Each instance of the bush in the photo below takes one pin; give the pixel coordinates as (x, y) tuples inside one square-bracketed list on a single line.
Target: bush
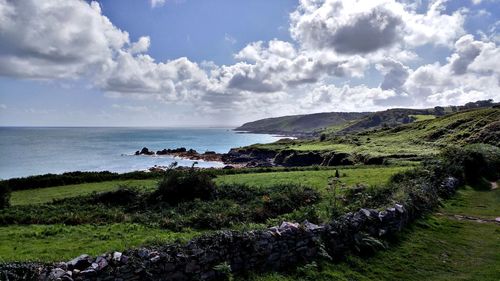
[(4, 195), (473, 162), (180, 186)]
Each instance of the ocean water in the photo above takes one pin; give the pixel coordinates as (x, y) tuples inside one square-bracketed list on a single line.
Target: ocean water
[(32, 151)]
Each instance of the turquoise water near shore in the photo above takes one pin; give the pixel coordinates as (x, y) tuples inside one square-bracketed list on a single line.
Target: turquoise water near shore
[(26, 151)]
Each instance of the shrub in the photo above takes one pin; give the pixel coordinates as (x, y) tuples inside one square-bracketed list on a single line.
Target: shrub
[(473, 162), (282, 199), (179, 186), (4, 195)]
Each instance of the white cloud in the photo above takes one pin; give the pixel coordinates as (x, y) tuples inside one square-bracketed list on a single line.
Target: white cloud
[(472, 72), (157, 3), (55, 39), (365, 26), (345, 98), (3, 106), (141, 46)]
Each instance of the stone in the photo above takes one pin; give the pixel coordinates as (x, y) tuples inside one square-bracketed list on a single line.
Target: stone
[(124, 259), (88, 272), (192, 267), (154, 259), (399, 208), (82, 262), (117, 256), (56, 273), (311, 226), (288, 225), (101, 263)]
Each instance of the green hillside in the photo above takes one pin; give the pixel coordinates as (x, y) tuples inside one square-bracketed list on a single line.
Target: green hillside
[(342, 123), (301, 124), (420, 138)]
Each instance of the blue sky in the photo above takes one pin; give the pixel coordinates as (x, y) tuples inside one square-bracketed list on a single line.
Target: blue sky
[(221, 63)]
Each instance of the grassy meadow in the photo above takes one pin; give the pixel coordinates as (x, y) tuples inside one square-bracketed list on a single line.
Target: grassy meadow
[(48, 194), (317, 179)]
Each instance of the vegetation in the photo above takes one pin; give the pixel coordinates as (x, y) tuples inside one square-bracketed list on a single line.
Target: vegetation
[(414, 140), (434, 248), (349, 176), (49, 180), (4, 196), (301, 124), (49, 194), (180, 186), (342, 122), (58, 242)]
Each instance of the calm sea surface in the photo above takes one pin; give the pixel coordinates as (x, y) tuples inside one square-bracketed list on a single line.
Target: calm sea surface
[(33, 151)]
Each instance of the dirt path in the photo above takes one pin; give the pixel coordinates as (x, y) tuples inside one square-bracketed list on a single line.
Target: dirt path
[(470, 218)]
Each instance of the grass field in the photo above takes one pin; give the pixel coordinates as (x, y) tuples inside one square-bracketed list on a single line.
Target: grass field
[(422, 117), (44, 195), (316, 179), (434, 248), (62, 242)]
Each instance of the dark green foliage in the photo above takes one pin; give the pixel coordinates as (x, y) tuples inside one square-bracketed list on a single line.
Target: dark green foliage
[(284, 199), (179, 186), (4, 195), (226, 206), (362, 196), (473, 162), (49, 180)]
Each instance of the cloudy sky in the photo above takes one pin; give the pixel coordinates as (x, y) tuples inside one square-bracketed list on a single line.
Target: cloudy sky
[(224, 62)]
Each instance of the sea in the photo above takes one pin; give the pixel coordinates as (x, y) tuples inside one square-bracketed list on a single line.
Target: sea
[(26, 151)]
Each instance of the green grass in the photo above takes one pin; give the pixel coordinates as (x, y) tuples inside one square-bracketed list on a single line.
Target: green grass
[(45, 195), (315, 179), (481, 204), (422, 117), (61, 242), (423, 138), (434, 248)]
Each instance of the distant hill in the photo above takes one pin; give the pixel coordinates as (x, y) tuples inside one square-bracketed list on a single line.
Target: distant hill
[(342, 123), (301, 124)]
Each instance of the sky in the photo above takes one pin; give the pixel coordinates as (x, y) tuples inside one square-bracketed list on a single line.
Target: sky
[(198, 63)]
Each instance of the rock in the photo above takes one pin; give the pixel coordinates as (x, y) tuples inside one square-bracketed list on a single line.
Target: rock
[(82, 262), (101, 263), (88, 273), (311, 226), (124, 259), (399, 208), (117, 256), (155, 259), (288, 225), (145, 151), (56, 273)]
